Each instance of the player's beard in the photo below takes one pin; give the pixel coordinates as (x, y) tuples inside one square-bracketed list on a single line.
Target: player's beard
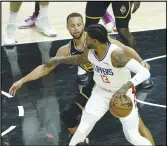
[(78, 37)]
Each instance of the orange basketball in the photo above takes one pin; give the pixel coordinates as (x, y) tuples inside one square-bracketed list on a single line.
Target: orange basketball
[(121, 107)]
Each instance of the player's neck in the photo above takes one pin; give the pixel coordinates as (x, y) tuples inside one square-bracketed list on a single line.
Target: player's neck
[(100, 50), (79, 43)]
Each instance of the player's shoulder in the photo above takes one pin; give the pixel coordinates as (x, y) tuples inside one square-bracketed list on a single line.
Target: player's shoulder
[(116, 42), (117, 52), (64, 50), (115, 49)]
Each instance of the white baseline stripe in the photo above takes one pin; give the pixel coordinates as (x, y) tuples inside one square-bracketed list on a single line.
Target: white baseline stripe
[(8, 130), (60, 39), (154, 58), (148, 103), (151, 104), (6, 94), (21, 111)]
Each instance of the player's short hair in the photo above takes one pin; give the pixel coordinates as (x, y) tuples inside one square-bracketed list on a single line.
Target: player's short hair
[(98, 32), (74, 15)]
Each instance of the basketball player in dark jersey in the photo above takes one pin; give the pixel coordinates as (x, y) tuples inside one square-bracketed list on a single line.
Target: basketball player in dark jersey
[(69, 116)]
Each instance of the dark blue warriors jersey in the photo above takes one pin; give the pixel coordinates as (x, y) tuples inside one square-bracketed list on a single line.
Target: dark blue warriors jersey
[(73, 51)]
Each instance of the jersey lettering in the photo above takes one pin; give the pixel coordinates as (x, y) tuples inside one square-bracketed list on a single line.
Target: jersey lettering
[(103, 70)]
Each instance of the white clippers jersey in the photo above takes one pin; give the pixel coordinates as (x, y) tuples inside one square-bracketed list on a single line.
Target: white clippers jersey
[(105, 75)]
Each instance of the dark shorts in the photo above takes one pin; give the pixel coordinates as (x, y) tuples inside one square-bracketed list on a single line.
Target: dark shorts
[(122, 13), (69, 116), (96, 10)]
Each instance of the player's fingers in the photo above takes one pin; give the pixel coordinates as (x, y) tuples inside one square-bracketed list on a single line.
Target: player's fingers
[(11, 93), (13, 88), (14, 93), (123, 97), (10, 90), (115, 96)]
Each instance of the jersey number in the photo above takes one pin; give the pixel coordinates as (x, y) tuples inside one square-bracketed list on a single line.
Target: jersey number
[(105, 79)]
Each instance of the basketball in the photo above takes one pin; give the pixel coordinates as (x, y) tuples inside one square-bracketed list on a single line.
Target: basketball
[(121, 107)]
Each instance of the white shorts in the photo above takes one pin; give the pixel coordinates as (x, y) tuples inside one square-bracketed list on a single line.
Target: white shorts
[(98, 103)]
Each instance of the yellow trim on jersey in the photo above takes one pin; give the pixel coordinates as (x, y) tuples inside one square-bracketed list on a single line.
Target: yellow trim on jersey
[(93, 17), (69, 49), (84, 94), (80, 106), (84, 67), (126, 14), (87, 67)]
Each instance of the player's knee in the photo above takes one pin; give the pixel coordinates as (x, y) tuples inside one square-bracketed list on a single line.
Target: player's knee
[(87, 122), (132, 136), (124, 32), (135, 138), (126, 35), (68, 119), (88, 117)]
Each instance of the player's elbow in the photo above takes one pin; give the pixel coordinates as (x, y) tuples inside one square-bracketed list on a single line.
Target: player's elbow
[(44, 70)]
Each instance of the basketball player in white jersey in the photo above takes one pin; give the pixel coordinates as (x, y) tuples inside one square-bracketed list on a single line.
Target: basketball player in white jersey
[(113, 80), (75, 24)]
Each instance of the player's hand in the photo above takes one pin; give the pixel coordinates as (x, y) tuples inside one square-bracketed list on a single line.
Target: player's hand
[(120, 93), (15, 87), (136, 5), (145, 64), (123, 90)]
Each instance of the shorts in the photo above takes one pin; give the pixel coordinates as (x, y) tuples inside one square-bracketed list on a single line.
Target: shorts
[(96, 10), (69, 116), (98, 103), (122, 13)]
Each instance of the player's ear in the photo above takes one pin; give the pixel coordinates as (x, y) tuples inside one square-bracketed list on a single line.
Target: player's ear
[(95, 41)]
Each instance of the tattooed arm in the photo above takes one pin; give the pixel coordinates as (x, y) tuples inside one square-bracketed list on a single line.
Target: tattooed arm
[(75, 59), (130, 52), (120, 59)]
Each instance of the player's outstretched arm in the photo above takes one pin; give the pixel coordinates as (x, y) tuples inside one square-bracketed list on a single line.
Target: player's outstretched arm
[(37, 73), (75, 59)]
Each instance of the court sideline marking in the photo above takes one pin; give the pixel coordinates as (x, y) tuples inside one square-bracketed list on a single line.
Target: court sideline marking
[(148, 103), (66, 38), (21, 109), (20, 114)]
